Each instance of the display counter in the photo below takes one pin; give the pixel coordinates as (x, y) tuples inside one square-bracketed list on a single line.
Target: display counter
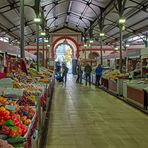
[(112, 86), (26, 99), (104, 82), (136, 94), (121, 86)]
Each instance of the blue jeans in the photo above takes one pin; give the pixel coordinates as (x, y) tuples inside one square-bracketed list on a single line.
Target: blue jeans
[(80, 78), (65, 78), (98, 77), (88, 78)]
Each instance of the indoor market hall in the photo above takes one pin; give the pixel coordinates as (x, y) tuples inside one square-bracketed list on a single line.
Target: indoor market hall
[(48, 48), (88, 117)]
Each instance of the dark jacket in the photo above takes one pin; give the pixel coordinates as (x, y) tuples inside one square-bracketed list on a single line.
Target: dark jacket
[(88, 69), (79, 70), (65, 70)]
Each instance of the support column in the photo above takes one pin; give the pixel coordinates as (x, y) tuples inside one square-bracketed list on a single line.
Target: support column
[(46, 55), (22, 29), (126, 49), (43, 54), (101, 50), (146, 42), (121, 48), (91, 55), (85, 55), (37, 49)]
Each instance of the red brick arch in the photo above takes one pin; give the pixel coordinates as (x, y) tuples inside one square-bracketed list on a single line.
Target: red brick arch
[(61, 38)]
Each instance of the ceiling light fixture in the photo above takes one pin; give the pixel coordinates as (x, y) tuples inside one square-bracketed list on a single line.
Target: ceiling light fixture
[(127, 45), (116, 48), (37, 20), (85, 45), (46, 40), (122, 20), (43, 33), (102, 34), (91, 41)]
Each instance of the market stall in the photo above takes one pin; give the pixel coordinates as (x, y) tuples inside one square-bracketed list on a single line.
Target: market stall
[(24, 101), (112, 80)]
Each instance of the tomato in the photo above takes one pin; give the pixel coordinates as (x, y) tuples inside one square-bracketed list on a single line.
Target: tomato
[(2, 121), (20, 131), (5, 130)]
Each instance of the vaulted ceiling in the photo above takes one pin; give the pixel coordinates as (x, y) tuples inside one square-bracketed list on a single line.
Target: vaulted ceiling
[(79, 15)]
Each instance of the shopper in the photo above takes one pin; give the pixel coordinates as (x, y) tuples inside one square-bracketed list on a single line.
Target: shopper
[(64, 72), (88, 71), (79, 73), (99, 70), (58, 67)]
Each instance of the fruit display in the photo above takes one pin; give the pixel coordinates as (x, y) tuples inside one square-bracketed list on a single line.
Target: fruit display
[(26, 111), (12, 125), (4, 144), (18, 116), (16, 84), (27, 100), (114, 74), (33, 72), (2, 100), (44, 80)]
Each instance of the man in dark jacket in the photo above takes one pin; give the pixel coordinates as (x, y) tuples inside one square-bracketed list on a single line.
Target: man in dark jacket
[(88, 71), (99, 70), (64, 72), (79, 73)]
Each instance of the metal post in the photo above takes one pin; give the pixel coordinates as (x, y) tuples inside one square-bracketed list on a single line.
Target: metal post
[(85, 55), (115, 58), (22, 29), (120, 48), (146, 42), (126, 49), (101, 50), (43, 53), (46, 55), (91, 55), (37, 49)]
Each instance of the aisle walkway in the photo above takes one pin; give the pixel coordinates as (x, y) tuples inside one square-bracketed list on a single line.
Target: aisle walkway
[(87, 117)]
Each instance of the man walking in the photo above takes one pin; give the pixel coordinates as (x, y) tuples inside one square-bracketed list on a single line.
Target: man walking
[(79, 72), (88, 71), (64, 72)]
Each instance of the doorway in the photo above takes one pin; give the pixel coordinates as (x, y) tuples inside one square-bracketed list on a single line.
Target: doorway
[(64, 54)]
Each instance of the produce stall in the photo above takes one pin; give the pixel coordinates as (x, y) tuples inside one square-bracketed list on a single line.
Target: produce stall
[(112, 80), (24, 100)]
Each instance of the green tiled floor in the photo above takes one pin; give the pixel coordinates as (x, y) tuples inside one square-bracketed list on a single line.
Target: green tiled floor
[(87, 117)]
